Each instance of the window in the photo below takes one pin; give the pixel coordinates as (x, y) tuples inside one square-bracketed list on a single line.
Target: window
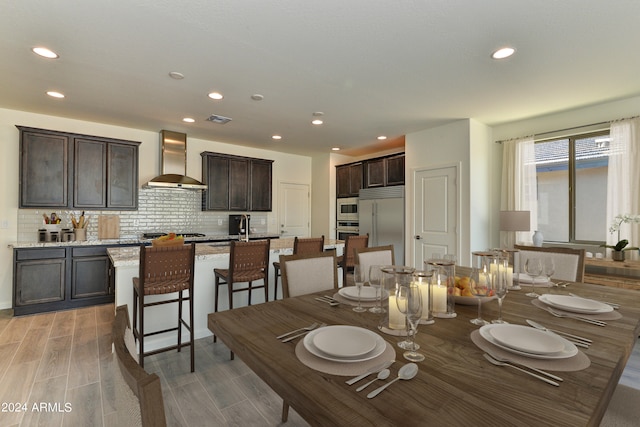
[(572, 187)]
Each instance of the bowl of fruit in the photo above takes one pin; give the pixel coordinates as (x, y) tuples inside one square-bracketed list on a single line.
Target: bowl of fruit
[(463, 295)]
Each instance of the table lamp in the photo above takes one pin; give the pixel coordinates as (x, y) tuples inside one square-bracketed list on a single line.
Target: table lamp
[(512, 221)]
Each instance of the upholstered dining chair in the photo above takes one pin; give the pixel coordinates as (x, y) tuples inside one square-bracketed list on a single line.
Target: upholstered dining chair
[(304, 274), (301, 245), (375, 255), (164, 270), (347, 260), (569, 262)]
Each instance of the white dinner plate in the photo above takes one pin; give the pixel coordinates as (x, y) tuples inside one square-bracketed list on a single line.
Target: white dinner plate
[(575, 304), (381, 345), (344, 341), (570, 350), (524, 278), (529, 340), (368, 293), (471, 300)]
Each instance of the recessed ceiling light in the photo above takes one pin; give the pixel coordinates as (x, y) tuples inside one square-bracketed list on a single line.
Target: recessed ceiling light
[(176, 75), (335, 149), (317, 122), (188, 120), (257, 97), (503, 53), (43, 51), (215, 95), (382, 137), (276, 137), (55, 94)]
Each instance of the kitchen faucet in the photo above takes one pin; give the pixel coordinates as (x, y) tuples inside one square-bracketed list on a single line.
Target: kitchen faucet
[(245, 220)]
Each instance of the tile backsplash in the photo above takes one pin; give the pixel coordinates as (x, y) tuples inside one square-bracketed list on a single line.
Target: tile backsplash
[(159, 210)]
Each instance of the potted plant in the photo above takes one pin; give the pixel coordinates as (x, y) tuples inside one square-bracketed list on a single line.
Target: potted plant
[(619, 248)]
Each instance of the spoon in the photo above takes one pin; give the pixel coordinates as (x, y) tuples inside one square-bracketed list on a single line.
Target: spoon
[(382, 375), (407, 372)]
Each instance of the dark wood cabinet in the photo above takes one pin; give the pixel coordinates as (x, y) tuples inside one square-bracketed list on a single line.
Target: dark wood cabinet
[(394, 166), (89, 272), (39, 277), (236, 183), (349, 179), (102, 172), (375, 173)]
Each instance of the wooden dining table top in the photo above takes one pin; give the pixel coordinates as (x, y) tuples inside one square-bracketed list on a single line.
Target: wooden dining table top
[(455, 384)]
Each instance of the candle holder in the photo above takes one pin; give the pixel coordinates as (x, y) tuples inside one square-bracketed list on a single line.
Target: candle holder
[(393, 322), (422, 279), (443, 282)]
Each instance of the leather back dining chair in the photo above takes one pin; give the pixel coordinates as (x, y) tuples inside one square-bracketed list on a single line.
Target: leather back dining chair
[(301, 245), (306, 273), (164, 270), (569, 262), (375, 255), (347, 260)]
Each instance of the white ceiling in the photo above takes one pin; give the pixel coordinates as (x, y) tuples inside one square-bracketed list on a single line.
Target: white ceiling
[(373, 67)]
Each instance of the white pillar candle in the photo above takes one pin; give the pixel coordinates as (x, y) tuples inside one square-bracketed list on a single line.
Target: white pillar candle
[(493, 268), (423, 285), (396, 319), (509, 277), (439, 298)]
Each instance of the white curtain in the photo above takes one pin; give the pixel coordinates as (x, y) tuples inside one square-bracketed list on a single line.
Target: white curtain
[(623, 181), (519, 185)]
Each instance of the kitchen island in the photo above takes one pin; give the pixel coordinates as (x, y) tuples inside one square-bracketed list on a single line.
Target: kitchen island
[(125, 261)]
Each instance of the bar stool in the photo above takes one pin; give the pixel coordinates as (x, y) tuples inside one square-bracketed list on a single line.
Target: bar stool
[(305, 245), (348, 259), (164, 270)]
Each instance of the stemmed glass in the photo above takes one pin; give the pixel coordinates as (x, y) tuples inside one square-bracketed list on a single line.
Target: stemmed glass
[(479, 287), (359, 279), (549, 269), (500, 285), (409, 301), (533, 267), (375, 276)]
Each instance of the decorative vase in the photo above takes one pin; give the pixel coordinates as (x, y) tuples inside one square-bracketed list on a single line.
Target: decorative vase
[(617, 255), (537, 238)]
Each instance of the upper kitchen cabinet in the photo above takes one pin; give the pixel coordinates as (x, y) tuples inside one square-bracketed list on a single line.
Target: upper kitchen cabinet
[(103, 172), (349, 179), (394, 170), (236, 183)]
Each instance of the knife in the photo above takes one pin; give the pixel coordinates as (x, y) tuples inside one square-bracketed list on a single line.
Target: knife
[(375, 370), (544, 328)]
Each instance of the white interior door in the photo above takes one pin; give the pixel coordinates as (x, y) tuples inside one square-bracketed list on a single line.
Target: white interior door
[(435, 213), (294, 210)]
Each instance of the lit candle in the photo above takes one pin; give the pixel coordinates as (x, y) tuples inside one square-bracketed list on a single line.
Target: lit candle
[(493, 268), (423, 285), (396, 319), (509, 277), (439, 296)]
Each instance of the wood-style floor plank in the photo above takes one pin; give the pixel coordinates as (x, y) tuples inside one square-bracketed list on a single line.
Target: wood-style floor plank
[(55, 360), (86, 406), (50, 391), (63, 323), (16, 330)]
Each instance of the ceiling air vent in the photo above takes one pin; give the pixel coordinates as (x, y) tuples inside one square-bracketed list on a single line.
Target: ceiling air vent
[(214, 118)]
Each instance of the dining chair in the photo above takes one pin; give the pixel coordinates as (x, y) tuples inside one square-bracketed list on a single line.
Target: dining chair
[(375, 255), (569, 262), (347, 260), (304, 245), (164, 270), (306, 273)]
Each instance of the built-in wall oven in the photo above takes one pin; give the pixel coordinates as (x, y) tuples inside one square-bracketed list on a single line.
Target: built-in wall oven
[(347, 209), (347, 228)]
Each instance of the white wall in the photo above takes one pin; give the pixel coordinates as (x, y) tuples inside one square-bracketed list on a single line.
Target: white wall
[(286, 167)]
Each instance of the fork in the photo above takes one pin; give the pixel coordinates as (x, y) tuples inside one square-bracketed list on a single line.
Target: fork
[(322, 325), (540, 371), (329, 301), (571, 316), (612, 304), (499, 363), (308, 328)]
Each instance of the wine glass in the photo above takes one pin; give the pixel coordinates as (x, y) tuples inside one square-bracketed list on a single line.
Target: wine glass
[(479, 287), (549, 269), (359, 279), (499, 285), (375, 276), (409, 301), (533, 267)]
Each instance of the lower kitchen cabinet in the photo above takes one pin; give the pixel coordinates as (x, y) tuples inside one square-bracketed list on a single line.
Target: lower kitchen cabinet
[(49, 279)]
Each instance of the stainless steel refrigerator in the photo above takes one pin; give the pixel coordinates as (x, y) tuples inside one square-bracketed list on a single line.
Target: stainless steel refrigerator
[(381, 214)]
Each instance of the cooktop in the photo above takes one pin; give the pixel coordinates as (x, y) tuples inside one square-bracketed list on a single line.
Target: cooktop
[(156, 235)]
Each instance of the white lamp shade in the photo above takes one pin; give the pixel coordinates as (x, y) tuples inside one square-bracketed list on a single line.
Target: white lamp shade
[(515, 220)]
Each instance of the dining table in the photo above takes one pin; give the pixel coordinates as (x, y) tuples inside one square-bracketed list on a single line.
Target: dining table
[(455, 384)]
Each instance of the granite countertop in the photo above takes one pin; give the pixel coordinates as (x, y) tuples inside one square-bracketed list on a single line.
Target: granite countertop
[(133, 241), (130, 256)]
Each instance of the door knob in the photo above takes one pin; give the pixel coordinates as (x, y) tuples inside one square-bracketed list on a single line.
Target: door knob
[(418, 237)]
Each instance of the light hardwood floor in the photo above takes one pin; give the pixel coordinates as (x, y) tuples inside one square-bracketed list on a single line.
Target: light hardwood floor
[(62, 363)]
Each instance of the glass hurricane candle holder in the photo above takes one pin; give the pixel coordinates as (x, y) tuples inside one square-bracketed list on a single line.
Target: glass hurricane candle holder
[(443, 282), (422, 279)]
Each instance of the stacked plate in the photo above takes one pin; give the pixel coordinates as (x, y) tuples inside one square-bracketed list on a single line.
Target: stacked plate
[(575, 304), (343, 343), (367, 293), (529, 342)]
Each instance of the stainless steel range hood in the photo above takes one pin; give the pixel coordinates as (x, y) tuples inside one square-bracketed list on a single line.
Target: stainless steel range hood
[(174, 164)]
